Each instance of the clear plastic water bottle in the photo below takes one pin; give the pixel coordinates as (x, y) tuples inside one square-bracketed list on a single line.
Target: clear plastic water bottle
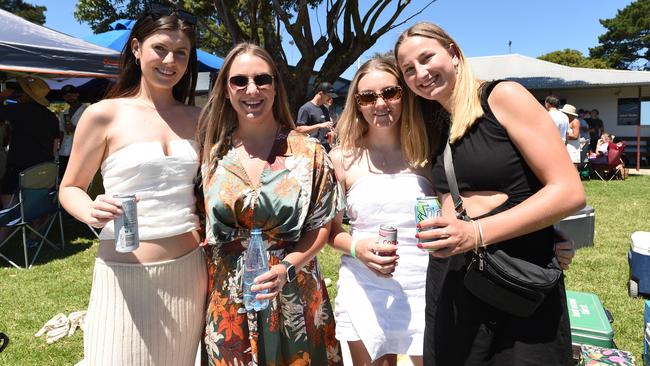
[(255, 264)]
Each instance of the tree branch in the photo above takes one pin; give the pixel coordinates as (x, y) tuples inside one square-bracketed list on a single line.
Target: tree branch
[(412, 16), (229, 21)]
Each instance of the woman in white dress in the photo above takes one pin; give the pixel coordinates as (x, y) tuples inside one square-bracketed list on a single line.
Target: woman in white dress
[(573, 133), (381, 162)]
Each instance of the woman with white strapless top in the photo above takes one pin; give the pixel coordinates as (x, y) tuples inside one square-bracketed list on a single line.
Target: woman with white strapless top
[(147, 306), (382, 163)]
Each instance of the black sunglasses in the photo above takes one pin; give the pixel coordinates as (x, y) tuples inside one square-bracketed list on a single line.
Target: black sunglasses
[(241, 81), (387, 94), (161, 10)]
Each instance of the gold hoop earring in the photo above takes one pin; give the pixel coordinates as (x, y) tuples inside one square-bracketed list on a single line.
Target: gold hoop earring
[(137, 61)]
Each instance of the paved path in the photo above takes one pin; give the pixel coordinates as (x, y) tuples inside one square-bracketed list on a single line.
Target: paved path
[(633, 171)]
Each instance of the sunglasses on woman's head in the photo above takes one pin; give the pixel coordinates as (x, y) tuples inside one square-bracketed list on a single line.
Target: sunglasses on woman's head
[(161, 10), (241, 81), (387, 94)]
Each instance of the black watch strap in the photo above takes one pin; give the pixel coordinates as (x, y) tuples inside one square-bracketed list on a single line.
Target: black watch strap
[(291, 271)]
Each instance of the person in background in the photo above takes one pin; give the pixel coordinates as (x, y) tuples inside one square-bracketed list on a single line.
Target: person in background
[(146, 306), (602, 149), (382, 163), (551, 103), (584, 125), (314, 116), (68, 121), (33, 131), (259, 173), (573, 133), (512, 192), (596, 128)]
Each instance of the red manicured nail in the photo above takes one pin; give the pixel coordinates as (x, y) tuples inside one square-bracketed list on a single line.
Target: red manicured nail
[(417, 235), (418, 226), (419, 245)]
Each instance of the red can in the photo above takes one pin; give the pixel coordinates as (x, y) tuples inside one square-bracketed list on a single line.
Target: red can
[(387, 235)]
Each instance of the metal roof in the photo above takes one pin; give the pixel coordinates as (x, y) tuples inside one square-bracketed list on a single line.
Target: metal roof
[(534, 74)]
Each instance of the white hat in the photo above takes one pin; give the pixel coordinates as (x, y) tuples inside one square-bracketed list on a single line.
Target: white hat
[(569, 109)]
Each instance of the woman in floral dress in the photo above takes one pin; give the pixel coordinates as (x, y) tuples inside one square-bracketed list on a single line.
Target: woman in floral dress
[(259, 173)]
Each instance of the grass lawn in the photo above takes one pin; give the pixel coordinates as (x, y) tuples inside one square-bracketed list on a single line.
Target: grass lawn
[(60, 280)]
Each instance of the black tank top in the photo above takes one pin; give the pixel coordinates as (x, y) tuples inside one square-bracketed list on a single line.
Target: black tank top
[(485, 159)]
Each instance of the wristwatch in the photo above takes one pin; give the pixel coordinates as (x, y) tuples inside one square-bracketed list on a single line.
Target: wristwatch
[(291, 271)]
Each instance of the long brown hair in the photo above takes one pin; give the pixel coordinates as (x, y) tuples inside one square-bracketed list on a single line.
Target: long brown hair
[(219, 119), (465, 99), (352, 126), (128, 82)]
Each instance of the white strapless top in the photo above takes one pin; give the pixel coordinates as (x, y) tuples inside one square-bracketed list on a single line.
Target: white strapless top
[(163, 183)]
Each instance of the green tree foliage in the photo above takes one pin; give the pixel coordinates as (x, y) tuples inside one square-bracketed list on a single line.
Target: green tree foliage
[(574, 58), (100, 13), (336, 31), (32, 13), (627, 41)]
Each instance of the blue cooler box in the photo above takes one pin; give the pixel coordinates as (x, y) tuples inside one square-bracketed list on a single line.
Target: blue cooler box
[(639, 259)]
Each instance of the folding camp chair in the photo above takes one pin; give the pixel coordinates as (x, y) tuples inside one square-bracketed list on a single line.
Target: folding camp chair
[(614, 167), (37, 199)]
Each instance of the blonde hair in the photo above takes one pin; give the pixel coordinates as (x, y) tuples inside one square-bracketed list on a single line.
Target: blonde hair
[(218, 119), (352, 126), (465, 99)]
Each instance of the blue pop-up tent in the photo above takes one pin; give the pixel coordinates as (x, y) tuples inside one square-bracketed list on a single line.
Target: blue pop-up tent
[(118, 35)]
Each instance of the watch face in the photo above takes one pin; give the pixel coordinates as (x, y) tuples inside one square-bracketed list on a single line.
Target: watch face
[(291, 271)]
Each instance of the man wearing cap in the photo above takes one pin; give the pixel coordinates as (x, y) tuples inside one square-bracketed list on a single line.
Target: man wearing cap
[(314, 117), (67, 123), (34, 130)]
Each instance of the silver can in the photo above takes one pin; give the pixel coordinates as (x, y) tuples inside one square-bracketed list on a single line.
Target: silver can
[(387, 235), (126, 225), (426, 207)]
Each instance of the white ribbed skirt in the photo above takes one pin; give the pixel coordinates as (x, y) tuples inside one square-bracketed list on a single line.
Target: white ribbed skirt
[(146, 314)]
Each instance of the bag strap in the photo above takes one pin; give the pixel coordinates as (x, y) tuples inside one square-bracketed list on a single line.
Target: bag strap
[(453, 184)]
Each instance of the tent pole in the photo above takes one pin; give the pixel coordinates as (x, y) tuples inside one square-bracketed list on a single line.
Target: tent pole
[(3, 79)]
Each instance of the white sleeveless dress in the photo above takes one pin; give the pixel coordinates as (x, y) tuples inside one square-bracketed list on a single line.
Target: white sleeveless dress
[(387, 314)]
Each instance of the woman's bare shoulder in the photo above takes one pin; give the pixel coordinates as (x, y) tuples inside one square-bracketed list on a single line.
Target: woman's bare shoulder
[(102, 112)]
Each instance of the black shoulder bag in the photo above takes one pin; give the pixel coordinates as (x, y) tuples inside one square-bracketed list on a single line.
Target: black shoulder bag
[(510, 284)]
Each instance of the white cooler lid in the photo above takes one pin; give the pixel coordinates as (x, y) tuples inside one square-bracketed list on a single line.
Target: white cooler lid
[(641, 242)]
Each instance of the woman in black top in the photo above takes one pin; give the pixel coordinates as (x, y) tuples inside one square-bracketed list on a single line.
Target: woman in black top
[(514, 193)]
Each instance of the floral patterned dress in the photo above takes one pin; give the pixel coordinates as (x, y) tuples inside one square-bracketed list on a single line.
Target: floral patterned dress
[(297, 193)]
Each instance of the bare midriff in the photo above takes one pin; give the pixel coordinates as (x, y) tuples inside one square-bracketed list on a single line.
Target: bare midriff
[(151, 251), (478, 203)]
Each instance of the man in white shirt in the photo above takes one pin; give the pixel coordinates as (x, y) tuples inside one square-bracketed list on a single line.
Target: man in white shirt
[(68, 123), (561, 120)]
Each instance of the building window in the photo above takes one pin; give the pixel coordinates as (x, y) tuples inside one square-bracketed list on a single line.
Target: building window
[(645, 112), (628, 111)]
